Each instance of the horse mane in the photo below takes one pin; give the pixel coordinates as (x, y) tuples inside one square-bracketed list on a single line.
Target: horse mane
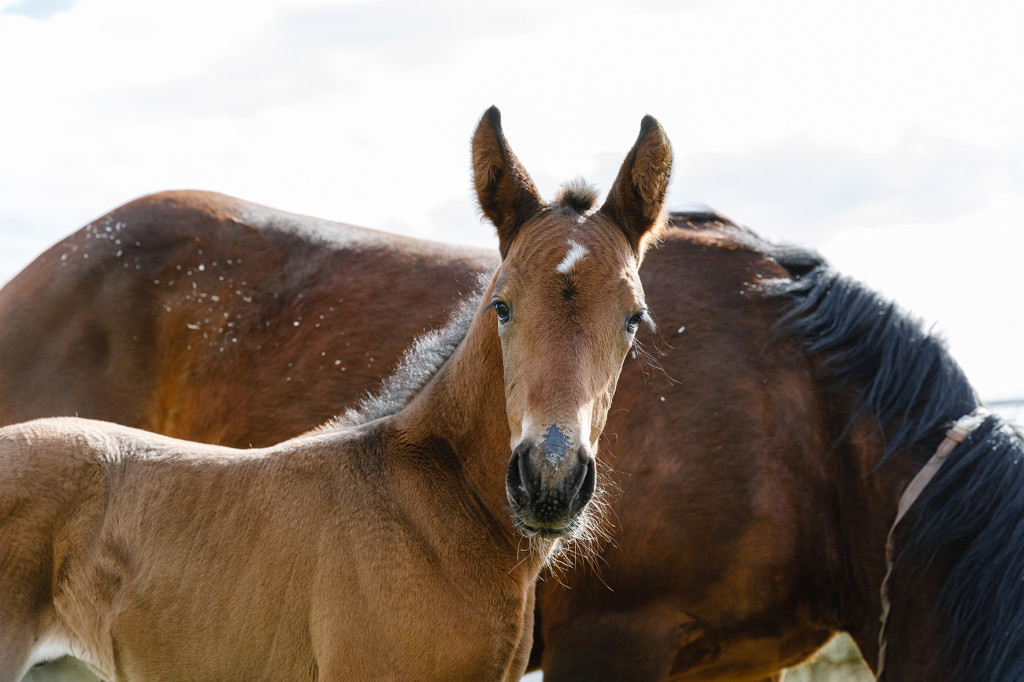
[(419, 363), (797, 260), (577, 196), (908, 382), (701, 218), (971, 517), (969, 521)]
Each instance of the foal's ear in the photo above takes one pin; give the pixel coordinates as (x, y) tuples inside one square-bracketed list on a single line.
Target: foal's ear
[(506, 193), (637, 196)]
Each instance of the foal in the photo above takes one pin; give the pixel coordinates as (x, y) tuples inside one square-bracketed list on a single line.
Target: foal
[(387, 550)]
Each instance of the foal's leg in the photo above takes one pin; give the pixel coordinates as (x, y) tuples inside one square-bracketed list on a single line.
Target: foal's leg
[(25, 567), (15, 648), (19, 621), (34, 495)]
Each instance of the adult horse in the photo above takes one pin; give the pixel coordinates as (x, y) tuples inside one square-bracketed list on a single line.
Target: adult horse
[(377, 548), (759, 467)]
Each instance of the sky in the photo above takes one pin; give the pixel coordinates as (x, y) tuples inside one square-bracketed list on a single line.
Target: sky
[(887, 134)]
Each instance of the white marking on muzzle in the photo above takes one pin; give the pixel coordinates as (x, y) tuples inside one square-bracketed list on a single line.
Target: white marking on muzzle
[(526, 430), (585, 414)]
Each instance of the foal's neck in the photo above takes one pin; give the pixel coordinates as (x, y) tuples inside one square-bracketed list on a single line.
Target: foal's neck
[(459, 420)]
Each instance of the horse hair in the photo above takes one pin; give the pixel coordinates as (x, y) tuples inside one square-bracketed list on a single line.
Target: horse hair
[(421, 361), (797, 260), (698, 218), (908, 381), (577, 195), (969, 521), (971, 517)]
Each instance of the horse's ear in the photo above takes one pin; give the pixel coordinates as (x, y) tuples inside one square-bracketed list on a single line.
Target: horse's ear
[(506, 193), (637, 197)]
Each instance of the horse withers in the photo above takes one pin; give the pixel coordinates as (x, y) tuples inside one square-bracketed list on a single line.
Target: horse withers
[(384, 549)]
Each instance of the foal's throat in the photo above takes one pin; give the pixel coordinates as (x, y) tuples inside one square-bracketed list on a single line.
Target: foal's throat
[(459, 419)]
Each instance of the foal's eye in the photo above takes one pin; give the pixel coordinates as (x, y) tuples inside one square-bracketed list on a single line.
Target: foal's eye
[(634, 321), (502, 311)]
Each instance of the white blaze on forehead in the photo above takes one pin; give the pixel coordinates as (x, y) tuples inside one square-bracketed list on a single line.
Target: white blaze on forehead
[(576, 253)]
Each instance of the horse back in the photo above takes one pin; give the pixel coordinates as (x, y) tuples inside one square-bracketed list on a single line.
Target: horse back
[(156, 314)]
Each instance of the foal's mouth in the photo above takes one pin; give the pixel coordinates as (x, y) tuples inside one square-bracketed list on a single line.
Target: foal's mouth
[(548, 532)]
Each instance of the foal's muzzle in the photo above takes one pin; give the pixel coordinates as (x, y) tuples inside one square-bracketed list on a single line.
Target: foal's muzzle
[(549, 490)]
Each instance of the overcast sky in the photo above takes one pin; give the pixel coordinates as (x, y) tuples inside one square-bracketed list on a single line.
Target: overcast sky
[(888, 134)]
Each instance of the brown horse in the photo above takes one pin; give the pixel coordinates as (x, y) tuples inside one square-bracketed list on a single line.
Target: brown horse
[(757, 470), (388, 547)]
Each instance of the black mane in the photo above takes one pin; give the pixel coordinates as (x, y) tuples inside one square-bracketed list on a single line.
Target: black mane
[(910, 383), (969, 521)]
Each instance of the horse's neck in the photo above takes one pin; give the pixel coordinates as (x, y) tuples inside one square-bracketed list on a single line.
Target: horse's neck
[(868, 489), (459, 422)]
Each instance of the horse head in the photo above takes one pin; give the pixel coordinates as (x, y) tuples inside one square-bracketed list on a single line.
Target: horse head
[(566, 300)]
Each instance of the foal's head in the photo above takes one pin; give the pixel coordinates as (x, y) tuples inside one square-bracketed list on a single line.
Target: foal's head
[(566, 301)]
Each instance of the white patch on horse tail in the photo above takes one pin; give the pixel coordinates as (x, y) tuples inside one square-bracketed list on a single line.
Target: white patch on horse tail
[(576, 253)]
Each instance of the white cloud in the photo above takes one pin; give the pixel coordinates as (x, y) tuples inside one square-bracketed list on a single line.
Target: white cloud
[(805, 192), (805, 120)]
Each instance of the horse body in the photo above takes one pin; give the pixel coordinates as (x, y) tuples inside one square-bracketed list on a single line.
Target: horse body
[(387, 548), (759, 489), (180, 306)]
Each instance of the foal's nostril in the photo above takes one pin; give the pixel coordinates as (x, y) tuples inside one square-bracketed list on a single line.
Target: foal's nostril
[(549, 501), (524, 470), (517, 479), (586, 482)]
